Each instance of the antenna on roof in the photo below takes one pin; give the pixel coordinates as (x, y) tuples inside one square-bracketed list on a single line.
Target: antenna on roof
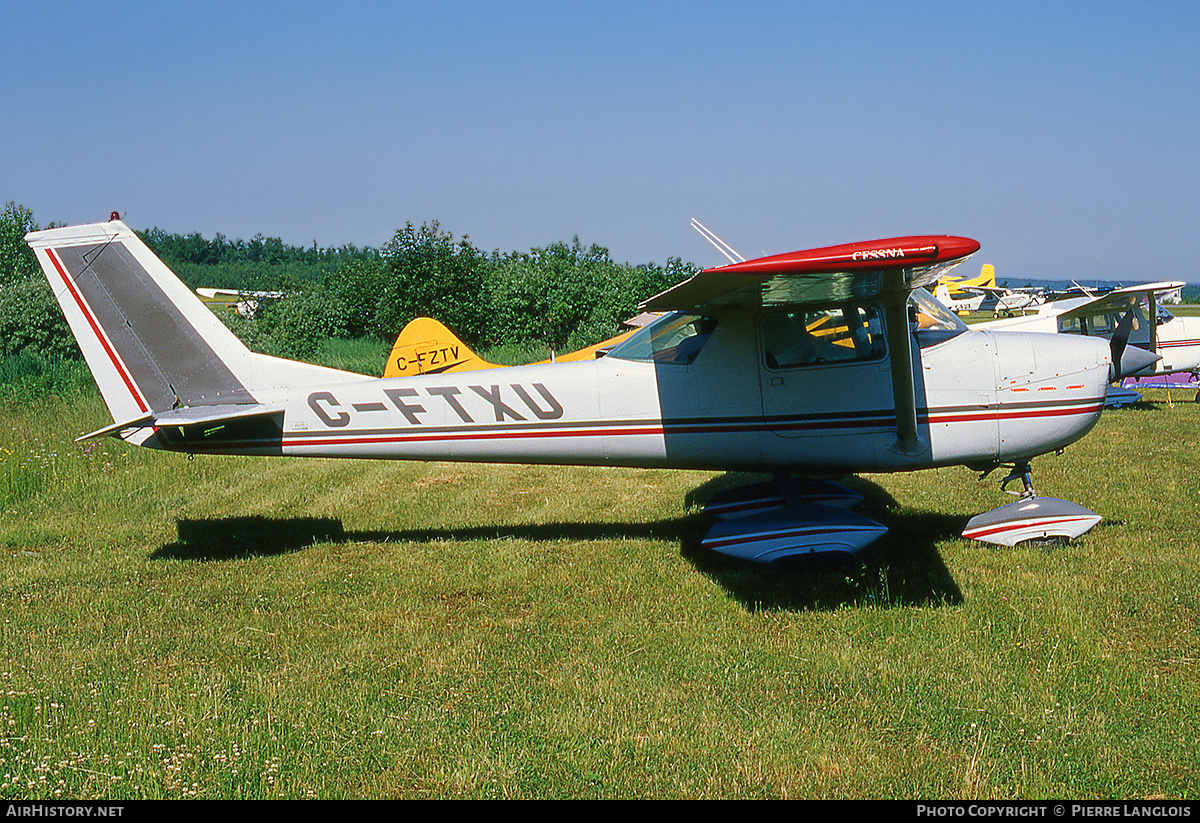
[(721, 246)]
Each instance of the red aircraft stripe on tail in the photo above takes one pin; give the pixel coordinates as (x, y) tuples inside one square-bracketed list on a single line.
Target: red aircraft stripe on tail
[(87, 315)]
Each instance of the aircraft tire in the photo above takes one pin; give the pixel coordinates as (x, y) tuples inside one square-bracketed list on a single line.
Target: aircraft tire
[(1053, 541)]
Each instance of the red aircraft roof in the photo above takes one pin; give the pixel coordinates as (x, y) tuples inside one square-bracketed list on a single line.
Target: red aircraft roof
[(893, 253), (845, 272)]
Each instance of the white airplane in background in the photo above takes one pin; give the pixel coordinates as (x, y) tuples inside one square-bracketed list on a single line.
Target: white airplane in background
[(809, 365), (958, 305), (1000, 300), (1121, 314), (244, 302)]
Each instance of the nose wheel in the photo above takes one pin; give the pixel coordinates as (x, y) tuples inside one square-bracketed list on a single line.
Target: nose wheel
[(1022, 472), (1029, 518)]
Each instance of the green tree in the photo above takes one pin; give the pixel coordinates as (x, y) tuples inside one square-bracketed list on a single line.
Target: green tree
[(17, 260), (571, 296), (31, 321), (428, 273), (359, 285), (295, 326)]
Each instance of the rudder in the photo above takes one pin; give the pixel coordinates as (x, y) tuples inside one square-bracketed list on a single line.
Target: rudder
[(426, 346)]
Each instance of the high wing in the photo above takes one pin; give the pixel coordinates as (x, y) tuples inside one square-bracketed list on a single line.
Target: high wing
[(1119, 300), (888, 270), (1117, 316), (994, 291), (853, 271)]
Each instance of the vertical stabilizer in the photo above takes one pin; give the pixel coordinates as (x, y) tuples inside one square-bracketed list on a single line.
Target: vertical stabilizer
[(426, 346), (149, 341)]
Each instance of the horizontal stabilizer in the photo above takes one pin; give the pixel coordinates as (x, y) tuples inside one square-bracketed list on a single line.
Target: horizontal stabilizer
[(186, 416), (115, 429), (208, 415)]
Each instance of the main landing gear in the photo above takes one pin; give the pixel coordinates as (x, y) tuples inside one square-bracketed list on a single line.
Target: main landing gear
[(787, 517), (1030, 518)]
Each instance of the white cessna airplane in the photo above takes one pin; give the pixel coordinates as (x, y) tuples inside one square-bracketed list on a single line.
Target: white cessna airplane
[(806, 365), (959, 305), (1003, 301), (1122, 314)]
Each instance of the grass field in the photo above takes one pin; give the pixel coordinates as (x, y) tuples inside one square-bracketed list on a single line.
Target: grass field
[(257, 628)]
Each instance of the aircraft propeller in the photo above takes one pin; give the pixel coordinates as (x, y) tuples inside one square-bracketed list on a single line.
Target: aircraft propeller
[(1128, 360)]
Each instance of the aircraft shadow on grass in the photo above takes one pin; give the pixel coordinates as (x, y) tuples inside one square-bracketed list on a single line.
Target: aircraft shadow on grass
[(1150, 405), (903, 568)]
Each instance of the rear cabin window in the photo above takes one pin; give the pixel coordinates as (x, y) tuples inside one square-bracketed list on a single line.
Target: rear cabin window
[(808, 337), (1104, 325)]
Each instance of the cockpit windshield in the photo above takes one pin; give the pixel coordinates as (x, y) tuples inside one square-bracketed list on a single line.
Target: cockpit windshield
[(931, 314), (934, 322), (673, 339)]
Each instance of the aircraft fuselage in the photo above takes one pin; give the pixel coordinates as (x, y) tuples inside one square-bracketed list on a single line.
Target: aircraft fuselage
[(981, 398)]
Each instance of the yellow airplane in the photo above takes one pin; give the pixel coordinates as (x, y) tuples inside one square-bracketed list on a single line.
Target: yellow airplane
[(958, 286), (426, 346)]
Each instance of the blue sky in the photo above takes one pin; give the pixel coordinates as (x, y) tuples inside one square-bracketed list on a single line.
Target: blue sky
[(1063, 136)]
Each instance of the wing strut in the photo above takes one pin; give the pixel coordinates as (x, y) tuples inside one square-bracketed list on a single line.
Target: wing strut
[(1152, 319), (721, 246), (899, 340)]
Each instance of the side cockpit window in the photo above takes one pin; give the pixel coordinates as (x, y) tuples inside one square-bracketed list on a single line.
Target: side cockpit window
[(805, 337), (674, 339)]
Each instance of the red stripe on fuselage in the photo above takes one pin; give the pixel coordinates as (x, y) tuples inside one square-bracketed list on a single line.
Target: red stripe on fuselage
[(355, 439), (1018, 415), (596, 429)]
